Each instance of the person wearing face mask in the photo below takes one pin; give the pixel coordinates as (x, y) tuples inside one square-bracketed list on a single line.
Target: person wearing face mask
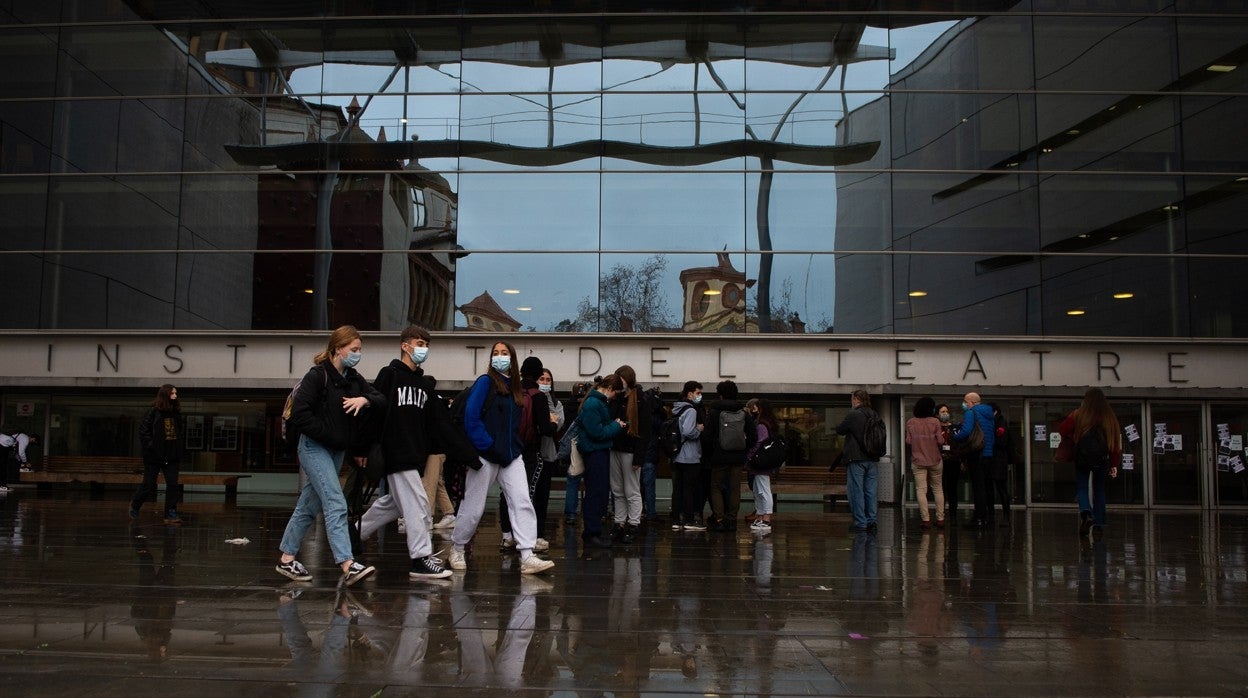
[(543, 426), (412, 417), (597, 432), (330, 409), (493, 410), (977, 463), (688, 496), (160, 435)]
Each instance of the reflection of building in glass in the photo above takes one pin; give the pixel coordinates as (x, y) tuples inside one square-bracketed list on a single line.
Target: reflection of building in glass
[(715, 298), (375, 204), (484, 313)]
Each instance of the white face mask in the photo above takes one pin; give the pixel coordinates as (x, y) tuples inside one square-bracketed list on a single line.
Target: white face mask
[(502, 364), (544, 387), (419, 354)]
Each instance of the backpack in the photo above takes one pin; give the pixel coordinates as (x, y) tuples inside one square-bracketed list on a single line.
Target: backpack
[(458, 406), (290, 435), (732, 430), (874, 439), (770, 455), (1092, 449), (527, 432), (670, 437)]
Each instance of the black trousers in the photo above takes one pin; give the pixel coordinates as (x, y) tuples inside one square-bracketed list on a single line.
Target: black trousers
[(151, 468), (952, 479), (539, 473), (977, 468)]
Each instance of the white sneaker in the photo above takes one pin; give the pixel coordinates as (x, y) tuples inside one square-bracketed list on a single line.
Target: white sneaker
[(3, 489), (535, 564), (402, 524), (457, 561), (541, 545), (447, 521), (760, 526)]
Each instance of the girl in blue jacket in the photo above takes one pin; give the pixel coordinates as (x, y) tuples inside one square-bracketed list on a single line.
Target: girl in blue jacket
[(492, 416)]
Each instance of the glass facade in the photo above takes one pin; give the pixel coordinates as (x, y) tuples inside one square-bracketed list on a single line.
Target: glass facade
[(1035, 168)]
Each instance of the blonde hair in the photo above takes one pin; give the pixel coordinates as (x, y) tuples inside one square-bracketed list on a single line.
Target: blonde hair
[(338, 339)]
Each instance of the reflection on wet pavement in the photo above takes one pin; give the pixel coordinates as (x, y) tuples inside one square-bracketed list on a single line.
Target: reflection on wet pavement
[(95, 606)]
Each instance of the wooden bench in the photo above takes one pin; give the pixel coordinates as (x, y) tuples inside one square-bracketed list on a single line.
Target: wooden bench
[(119, 470), (807, 480)]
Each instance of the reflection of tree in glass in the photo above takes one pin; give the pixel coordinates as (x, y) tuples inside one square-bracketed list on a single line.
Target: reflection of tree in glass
[(630, 299), (782, 308)]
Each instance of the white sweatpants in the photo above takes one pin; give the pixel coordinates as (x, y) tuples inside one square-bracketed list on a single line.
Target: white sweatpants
[(407, 499), (514, 483), (625, 488)]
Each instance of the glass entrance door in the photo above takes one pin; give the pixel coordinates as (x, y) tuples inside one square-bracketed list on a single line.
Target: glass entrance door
[(1053, 482), (1175, 437), (1228, 437)]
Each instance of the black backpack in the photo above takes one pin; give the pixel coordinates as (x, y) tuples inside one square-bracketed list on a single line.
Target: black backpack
[(460, 441), (1092, 449), (874, 441), (770, 455), (670, 437)]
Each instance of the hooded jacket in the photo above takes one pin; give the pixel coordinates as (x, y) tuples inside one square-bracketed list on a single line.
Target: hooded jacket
[(317, 408), (414, 416)]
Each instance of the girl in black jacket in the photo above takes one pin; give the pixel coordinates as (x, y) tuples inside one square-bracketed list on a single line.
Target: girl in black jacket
[(329, 412), (160, 435)]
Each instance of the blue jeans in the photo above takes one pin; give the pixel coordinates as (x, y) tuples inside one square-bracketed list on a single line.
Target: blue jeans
[(1097, 506), (861, 490), (649, 472), (322, 493), (572, 496)]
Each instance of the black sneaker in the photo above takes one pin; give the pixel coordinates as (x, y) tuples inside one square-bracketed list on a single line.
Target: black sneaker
[(1085, 523), (355, 573), (294, 570), (427, 568)]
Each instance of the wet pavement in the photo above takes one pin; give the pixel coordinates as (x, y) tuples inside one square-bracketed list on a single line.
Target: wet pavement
[(96, 607)]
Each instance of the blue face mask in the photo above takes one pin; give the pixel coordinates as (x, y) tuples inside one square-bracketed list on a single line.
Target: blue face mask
[(697, 399), (419, 354), (351, 359), (502, 364), (545, 388)]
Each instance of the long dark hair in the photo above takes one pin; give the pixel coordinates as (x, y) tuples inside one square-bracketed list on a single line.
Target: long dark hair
[(509, 384), (1095, 411), (629, 376), (163, 403)]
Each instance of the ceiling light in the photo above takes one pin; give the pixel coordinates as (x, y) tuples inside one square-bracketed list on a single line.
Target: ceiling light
[(1073, 132), (918, 294), (1220, 68), (711, 292), (308, 290), (511, 291), (524, 307), (403, 120), (1076, 311), (1170, 207), (1124, 295), (1046, 150)]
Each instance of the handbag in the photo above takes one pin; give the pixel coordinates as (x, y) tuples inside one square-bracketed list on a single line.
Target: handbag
[(974, 443), (576, 462)]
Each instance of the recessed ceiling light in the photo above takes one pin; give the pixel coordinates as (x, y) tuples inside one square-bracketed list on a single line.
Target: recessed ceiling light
[(1076, 311), (1170, 207), (711, 292), (1073, 132), (308, 290), (1220, 68), (1124, 295), (918, 294), (524, 307), (511, 291)]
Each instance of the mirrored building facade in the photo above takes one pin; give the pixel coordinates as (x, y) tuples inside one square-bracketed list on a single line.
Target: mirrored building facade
[(919, 171)]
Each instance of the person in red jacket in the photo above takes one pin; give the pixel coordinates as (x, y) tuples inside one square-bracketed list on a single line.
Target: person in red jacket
[(1096, 419)]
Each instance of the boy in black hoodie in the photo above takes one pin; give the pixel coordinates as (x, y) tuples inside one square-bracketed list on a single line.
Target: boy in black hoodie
[(414, 415)]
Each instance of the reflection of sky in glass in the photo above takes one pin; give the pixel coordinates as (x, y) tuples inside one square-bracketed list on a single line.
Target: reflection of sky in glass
[(649, 102)]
